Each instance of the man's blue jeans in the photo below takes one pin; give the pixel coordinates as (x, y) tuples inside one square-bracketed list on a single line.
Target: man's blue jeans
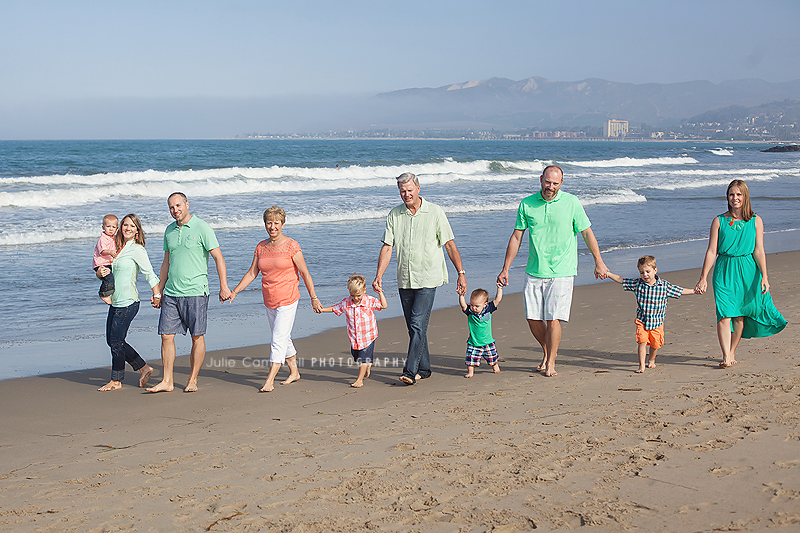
[(417, 305), (117, 324)]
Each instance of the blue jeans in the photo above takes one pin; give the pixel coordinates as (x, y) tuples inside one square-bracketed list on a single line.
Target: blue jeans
[(417, 305), (117, 324)]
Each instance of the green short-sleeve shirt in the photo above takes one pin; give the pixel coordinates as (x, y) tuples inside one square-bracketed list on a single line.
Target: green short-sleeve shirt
[(418, 240), (553, 228), (188, 248)]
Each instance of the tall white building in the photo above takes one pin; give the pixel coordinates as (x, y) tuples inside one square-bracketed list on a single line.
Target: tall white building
[(615, 128)]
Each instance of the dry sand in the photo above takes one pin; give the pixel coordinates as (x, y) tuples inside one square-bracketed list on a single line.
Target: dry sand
[(683, 447)]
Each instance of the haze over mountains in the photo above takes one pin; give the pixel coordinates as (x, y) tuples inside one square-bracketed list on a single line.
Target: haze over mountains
[(536, 101)]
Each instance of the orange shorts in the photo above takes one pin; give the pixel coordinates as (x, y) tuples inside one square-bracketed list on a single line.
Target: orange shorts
[(651, 337)]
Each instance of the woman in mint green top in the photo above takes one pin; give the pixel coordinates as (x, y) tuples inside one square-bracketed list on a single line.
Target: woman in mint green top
[(130, 260), (741, 285)]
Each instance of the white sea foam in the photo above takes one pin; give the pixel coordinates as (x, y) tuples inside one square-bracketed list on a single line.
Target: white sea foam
[(633, 162), (720, 151)]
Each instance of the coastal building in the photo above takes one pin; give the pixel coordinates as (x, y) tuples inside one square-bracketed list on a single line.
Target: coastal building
[(615, 128)]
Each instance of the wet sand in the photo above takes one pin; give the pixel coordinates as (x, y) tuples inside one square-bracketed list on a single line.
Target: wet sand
[(686, 446)]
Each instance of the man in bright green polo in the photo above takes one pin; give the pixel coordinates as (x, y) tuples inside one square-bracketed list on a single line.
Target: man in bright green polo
[(418, 229), (184, 283), (553, 219)]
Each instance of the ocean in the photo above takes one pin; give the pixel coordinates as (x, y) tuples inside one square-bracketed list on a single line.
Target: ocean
[(642, 197)]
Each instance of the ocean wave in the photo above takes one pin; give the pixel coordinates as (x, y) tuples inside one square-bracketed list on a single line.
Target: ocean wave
[(446, 166), (720, 151), (624, 196), (633, 162), (722, 181)]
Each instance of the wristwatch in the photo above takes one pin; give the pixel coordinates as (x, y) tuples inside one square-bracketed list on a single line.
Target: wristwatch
[(461, 272)]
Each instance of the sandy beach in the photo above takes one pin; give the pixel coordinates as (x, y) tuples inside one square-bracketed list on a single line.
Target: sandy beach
[(686, 446)]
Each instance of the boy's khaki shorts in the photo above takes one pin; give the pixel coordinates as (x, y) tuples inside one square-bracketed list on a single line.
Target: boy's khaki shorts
[(652, 337)]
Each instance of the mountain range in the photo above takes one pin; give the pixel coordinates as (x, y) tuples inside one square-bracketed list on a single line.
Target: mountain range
[(539, 102)]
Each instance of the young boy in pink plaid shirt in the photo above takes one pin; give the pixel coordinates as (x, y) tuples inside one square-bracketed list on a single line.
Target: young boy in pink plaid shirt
[(359, 314)]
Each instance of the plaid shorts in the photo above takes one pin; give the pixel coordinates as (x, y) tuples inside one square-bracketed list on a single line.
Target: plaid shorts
[(474, 353)]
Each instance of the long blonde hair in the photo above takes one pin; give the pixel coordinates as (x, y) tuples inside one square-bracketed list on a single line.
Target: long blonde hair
[(747, 209), (138, 239)]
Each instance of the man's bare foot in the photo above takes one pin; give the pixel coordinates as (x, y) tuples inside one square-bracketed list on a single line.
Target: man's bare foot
[(161, 387), (407, 380), (726, 364), (268, 387), (357, 384), (551, 372), (640, 370), (290, 379), (496, 368), (111, 385), (651, 364), (106, 299), (191, 387), (146, 371)]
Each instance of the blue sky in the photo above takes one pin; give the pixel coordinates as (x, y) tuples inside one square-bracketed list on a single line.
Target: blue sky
[(57, 52)]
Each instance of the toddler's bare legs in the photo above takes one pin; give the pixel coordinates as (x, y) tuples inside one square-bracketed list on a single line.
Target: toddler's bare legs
[(651, 361), (642, 356), (363, 372), (496, 368), (470, 371)]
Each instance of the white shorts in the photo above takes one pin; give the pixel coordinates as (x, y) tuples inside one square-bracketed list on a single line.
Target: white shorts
[(548, 298), (281, 321)]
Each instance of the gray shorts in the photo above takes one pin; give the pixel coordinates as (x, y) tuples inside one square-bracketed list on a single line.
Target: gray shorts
[(548, 298), (181, 313)]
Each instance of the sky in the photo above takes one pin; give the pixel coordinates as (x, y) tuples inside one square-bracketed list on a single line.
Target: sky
[(66, 65)]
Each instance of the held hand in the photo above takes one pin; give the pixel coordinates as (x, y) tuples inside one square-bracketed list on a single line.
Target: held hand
[(225, 294), (502, 278), (461, 285), (601, 271), (232, 296), (317, 305), (701, 287), (155, 301), (376, 285)]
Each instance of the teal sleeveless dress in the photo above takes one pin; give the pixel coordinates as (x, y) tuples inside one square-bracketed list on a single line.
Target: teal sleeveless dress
[(737, 281)]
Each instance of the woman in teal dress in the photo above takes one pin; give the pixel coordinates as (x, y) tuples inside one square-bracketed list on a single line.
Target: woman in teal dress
[(741, 285)]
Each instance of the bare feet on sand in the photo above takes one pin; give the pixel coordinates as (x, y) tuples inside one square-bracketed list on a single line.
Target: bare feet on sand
[(111, 385), (496, 368), (161, 387), (470, 371), (268, 387), (191, 387), (640, 370), (651, 364), (726, 364), (407, 380), (357, 384), (290, 379), (551, 372), (146, 371)]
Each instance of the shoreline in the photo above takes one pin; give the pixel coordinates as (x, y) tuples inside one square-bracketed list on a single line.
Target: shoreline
[(685, 446)]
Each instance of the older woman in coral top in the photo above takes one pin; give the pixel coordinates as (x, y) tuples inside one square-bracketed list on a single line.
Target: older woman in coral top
[(281, 263)]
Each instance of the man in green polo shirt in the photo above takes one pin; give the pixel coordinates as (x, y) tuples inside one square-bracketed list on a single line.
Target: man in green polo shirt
[(418, 229), (553, 219), (184, 283)]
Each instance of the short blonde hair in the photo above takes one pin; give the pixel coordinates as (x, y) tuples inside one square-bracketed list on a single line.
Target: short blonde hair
[(482, 293), (275, 213), (110, 217), (648, 260), (356, 284)]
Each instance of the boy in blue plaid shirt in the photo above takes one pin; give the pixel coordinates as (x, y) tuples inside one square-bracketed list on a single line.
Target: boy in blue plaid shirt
[(651, 296)]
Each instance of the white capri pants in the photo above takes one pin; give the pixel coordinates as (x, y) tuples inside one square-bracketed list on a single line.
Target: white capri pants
[(281, 321), (548, 298)]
